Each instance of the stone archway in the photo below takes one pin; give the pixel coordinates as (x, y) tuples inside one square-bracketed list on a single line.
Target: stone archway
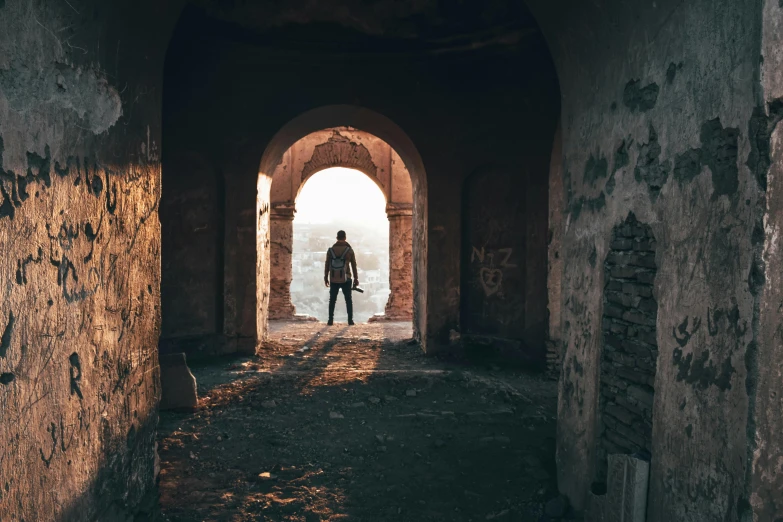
[(349, 148)]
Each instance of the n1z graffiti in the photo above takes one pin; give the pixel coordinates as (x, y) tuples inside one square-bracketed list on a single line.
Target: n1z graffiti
[(490, 276)]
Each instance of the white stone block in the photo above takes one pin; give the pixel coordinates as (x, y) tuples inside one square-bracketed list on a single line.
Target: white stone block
[(627, 483)]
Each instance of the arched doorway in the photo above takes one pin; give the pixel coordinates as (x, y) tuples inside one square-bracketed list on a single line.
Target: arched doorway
[(350, 148), (353, 137)]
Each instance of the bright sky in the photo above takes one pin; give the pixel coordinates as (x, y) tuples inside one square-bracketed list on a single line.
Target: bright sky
[(341, 196)]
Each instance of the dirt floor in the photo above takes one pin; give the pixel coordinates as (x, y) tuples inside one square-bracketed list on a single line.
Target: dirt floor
[(355, 423)]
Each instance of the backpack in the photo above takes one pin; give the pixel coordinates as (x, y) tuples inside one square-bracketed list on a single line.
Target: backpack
[(337, 268)]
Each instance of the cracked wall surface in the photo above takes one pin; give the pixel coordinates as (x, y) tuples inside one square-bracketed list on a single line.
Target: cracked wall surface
[(684, 162), (80, 240), (766, 390)]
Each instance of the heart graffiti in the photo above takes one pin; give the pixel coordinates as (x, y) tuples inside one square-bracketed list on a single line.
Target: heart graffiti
[(490, 278)]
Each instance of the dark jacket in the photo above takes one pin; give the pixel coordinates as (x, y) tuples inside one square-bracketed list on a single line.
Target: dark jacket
[(350, 259)]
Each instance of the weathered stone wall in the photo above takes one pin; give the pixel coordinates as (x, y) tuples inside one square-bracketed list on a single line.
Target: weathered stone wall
[(504, 267), (399, 307), (192, 249), (554, 260), (349, 148), (537, 165), (493, 284), (263, 265), (80, 137), (476, 125), (766, 387), (208, 224), (658, 113), (630, 349), (281, 237), (208, 229)]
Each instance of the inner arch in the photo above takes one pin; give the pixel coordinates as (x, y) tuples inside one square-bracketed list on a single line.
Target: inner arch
[(382, 127), (348, 148)]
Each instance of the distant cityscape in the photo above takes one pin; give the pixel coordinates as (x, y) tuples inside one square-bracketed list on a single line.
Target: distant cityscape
[(371, 245)]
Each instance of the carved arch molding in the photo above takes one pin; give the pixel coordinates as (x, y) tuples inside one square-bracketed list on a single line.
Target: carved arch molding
[(339, 151)]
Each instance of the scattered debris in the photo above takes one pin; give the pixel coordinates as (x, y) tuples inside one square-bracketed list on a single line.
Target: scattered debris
[(489, 437)]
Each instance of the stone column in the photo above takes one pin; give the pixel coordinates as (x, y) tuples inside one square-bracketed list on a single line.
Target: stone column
[(281, 232), (399, 307)]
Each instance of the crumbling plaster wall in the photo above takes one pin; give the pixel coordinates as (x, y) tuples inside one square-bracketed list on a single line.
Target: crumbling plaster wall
[(349, 148), (767, 473), (281, 259), (80, 119), (658, 108)]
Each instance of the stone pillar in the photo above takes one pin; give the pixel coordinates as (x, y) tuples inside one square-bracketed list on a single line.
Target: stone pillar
[(281, 232), (399, 307)]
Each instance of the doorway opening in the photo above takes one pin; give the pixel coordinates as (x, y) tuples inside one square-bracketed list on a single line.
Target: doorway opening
[(340, 199), (339, 178)]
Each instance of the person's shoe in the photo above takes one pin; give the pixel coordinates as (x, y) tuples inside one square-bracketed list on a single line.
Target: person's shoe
[(329, 323), (350, 322)]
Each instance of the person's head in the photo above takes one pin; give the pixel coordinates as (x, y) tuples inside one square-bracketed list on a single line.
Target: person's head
[(341, 235)]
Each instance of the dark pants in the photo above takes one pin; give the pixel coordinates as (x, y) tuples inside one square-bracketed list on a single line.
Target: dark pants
[(334, 289)]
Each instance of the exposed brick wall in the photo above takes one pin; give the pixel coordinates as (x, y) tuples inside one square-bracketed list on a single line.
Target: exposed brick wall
[(630, 349)]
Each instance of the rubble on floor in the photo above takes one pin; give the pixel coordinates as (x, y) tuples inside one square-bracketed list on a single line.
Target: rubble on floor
[(360, 426)]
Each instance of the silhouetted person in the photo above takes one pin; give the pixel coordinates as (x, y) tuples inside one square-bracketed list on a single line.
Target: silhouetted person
[(337, 276)]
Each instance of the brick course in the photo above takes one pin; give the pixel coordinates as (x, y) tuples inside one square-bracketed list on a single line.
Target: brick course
[(630, 349)]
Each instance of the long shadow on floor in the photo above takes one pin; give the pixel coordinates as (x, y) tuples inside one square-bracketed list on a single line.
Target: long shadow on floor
[(320, 436)]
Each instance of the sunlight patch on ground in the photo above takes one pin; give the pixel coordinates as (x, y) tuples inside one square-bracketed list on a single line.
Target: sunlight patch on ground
[(272, 440)]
